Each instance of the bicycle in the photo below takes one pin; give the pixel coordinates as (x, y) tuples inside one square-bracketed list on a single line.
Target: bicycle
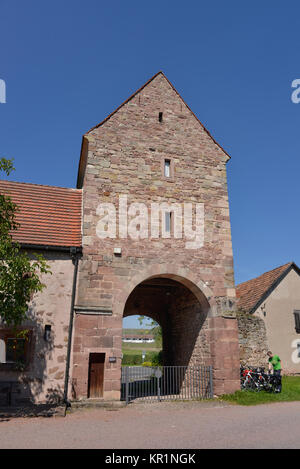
[(249, 381), (255, 379)]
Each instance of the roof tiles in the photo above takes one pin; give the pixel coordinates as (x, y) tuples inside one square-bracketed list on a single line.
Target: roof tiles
[(250, 293), (47, 215)]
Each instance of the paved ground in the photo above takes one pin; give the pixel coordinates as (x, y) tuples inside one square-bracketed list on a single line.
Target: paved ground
[(159, 426)]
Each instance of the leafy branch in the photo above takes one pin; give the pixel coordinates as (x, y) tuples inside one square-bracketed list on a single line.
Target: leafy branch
[(19, 274)]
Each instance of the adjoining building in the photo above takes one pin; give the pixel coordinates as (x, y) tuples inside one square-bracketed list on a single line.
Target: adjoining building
[(153, 160), (272, 322), (50, 223), (138, 338)]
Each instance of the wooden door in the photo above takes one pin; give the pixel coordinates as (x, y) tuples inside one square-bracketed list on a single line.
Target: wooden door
[(96, 374)]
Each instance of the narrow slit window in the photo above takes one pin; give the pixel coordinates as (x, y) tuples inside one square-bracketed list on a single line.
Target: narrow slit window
[(168, 216), (297, 320), (167, 168), (2, 351), (160, 116)]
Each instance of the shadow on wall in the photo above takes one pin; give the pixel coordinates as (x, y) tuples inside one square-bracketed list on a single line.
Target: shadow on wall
[(180, 315), (24, 354), (185, 343)]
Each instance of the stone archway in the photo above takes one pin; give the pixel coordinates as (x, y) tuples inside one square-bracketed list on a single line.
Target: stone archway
[(171, 271), (181, 314), (213, 339), (194, 331)]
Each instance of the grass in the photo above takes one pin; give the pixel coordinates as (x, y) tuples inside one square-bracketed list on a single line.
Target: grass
[(290, 392), (131, 348), (136, 331), (139, 348), (132, 353)]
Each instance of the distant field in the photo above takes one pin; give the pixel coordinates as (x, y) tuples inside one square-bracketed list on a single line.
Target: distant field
[(129, 348), (137, 331), (139, 348)]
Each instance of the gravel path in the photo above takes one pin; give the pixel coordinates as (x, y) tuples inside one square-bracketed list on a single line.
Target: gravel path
[(158, 426)]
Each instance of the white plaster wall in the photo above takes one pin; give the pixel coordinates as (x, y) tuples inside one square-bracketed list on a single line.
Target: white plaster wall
[(279, 319)]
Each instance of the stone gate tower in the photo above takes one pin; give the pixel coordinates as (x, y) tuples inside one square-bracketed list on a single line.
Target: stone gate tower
[(154, 150)]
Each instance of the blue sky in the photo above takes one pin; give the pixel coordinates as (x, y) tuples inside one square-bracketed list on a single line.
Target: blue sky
[(67, 64)]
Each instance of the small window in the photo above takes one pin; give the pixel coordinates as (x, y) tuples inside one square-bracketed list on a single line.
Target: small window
[(2, 351), (167, 168), (47, 333), (297, 321), (160, 116), (15, 347), (15, 350), (168, 218)]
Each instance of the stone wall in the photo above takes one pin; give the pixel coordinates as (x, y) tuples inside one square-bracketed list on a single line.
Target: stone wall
[(96, 333), (124, 156), (185, 332), (181, 317), (252, 340), (43, 378), (225, 356)]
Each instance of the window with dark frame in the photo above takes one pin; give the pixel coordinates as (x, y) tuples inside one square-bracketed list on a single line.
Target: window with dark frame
[(15, 350), (297, 320), (168, 221), (167, 168)]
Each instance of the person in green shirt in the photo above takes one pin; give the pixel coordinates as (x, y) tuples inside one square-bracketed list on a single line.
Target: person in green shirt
[(275, 363)]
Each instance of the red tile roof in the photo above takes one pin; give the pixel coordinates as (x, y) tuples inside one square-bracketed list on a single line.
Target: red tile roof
[(250, 293), (47, 215)]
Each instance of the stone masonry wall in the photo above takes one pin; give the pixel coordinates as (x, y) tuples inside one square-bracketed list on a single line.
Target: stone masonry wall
[(225, 356), (252, 340), (125, 157), (186, 331), (181, 317), (96, 333), (43, 379)]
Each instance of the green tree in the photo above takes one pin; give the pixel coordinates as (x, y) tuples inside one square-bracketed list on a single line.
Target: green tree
[(156, 330), (19, 275)]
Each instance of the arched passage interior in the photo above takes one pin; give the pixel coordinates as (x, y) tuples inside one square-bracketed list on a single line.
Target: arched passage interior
[(180, 308)]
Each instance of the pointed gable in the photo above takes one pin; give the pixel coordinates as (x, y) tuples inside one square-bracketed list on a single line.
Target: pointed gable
[(157, 92), (251, 293)]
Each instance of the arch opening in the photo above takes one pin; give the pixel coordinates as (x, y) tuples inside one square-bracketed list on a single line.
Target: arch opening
[(141, 341), (180, 308)]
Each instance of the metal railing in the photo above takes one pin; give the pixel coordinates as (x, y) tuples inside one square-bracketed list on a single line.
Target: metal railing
[(166, 383)]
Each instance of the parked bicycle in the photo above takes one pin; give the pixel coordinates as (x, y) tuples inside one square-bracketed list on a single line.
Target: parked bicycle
[(255, 379), (249, 380)]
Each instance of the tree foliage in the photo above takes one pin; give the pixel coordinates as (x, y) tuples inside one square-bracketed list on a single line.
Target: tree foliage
[(156, 330), (19, 275)]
